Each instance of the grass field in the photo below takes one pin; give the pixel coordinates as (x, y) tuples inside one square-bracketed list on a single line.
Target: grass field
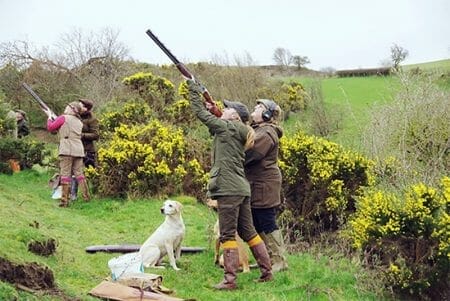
[(439, 66), (352, 99), (28, 213)]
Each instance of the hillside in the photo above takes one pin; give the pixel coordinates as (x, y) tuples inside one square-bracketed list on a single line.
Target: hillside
[(28, 213)]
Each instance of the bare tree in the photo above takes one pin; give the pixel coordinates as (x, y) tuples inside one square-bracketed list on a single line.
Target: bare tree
[(79, 48), (300, 61), (282, 57), (398, 55), (80, 65)]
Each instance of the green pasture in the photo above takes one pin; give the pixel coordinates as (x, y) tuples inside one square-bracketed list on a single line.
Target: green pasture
[(351, 99), (28, 213), (439, 66)]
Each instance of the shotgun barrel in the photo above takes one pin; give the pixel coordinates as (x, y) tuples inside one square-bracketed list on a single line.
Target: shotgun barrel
[(185, 72)]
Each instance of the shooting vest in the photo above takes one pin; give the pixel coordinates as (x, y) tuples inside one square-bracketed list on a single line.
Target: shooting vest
[(70, 137)]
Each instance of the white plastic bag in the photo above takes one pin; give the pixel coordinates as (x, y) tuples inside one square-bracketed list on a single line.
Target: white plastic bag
[(126, 264), (57, 193)]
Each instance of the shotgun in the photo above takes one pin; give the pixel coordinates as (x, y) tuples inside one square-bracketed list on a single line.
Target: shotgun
[(41, 103), (186, 73)]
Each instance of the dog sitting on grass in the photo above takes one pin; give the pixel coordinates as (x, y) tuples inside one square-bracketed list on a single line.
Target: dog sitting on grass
[(166, 239)]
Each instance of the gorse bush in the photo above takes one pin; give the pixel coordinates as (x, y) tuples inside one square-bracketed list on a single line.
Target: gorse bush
[(292, 97), (408, 236), (320, 183), (158, 91), (147, 160), (133, 111)]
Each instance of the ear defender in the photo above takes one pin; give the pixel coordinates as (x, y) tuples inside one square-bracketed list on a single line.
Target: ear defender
[(271, 107), (267, 115)]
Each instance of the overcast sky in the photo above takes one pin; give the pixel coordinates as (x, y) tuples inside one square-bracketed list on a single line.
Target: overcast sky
[(343, 34)]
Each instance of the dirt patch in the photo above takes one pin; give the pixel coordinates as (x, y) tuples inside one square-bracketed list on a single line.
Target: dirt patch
[(31, 278), (32, 275), (43, 248)]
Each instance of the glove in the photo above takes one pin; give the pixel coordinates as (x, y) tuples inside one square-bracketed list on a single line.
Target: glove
[(194, 86)]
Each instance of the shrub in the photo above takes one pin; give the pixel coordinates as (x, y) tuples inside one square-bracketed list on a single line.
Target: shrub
[(408, 236), (414, 129), (7, 124), (294, 96), (320, 183), (157, 91), (133, 111), (26, 150), (146, 160)]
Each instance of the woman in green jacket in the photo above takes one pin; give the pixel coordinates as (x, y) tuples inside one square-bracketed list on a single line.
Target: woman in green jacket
[(229, 186)]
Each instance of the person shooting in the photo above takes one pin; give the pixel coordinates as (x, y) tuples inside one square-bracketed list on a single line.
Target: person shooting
[(70, 151)]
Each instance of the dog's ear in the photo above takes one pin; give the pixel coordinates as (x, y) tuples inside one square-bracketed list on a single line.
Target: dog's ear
[(179, 206)]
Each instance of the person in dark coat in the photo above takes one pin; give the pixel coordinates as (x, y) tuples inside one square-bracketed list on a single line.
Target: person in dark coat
[(264, 176), (228, 185), (22, 124), (89, 134)]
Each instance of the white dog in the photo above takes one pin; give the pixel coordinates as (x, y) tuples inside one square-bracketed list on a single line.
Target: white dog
[(166, 239)]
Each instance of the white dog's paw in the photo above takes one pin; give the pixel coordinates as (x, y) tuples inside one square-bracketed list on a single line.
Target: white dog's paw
[(176, 269)]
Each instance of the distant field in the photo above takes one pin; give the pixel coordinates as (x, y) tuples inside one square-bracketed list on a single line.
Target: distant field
[(442, 65), (352, 98)]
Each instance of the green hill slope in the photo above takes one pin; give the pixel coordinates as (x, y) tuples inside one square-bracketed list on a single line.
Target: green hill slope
[(28, 213)]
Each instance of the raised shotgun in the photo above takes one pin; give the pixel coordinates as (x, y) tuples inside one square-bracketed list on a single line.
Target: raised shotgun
[(186, 73), (42, 104)]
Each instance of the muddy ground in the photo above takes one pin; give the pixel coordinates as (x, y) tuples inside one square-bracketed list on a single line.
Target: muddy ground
[(42, 248), (31, 276)]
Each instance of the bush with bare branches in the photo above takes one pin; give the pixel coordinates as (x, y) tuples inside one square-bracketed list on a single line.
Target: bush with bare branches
[(413, 130)]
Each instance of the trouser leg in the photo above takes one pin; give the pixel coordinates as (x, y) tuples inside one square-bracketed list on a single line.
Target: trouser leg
[(82, 183)]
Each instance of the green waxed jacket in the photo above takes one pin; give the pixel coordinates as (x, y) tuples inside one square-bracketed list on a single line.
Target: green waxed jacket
[(227, 176)]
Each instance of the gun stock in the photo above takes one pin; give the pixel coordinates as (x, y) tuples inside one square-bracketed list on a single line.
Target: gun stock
[(41, 103), (185, 72)]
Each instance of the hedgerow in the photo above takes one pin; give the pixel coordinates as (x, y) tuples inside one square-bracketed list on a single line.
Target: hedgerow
[(408, 236)]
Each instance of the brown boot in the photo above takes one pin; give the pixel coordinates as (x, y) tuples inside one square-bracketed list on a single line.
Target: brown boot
[(259, 251), (64, 202), (84, 190), (230, 267), (275, 247)]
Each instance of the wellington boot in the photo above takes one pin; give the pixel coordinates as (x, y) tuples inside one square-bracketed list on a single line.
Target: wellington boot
[(259, 251), (275, 247), (230, 266), (84, 190), (64, 202)]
